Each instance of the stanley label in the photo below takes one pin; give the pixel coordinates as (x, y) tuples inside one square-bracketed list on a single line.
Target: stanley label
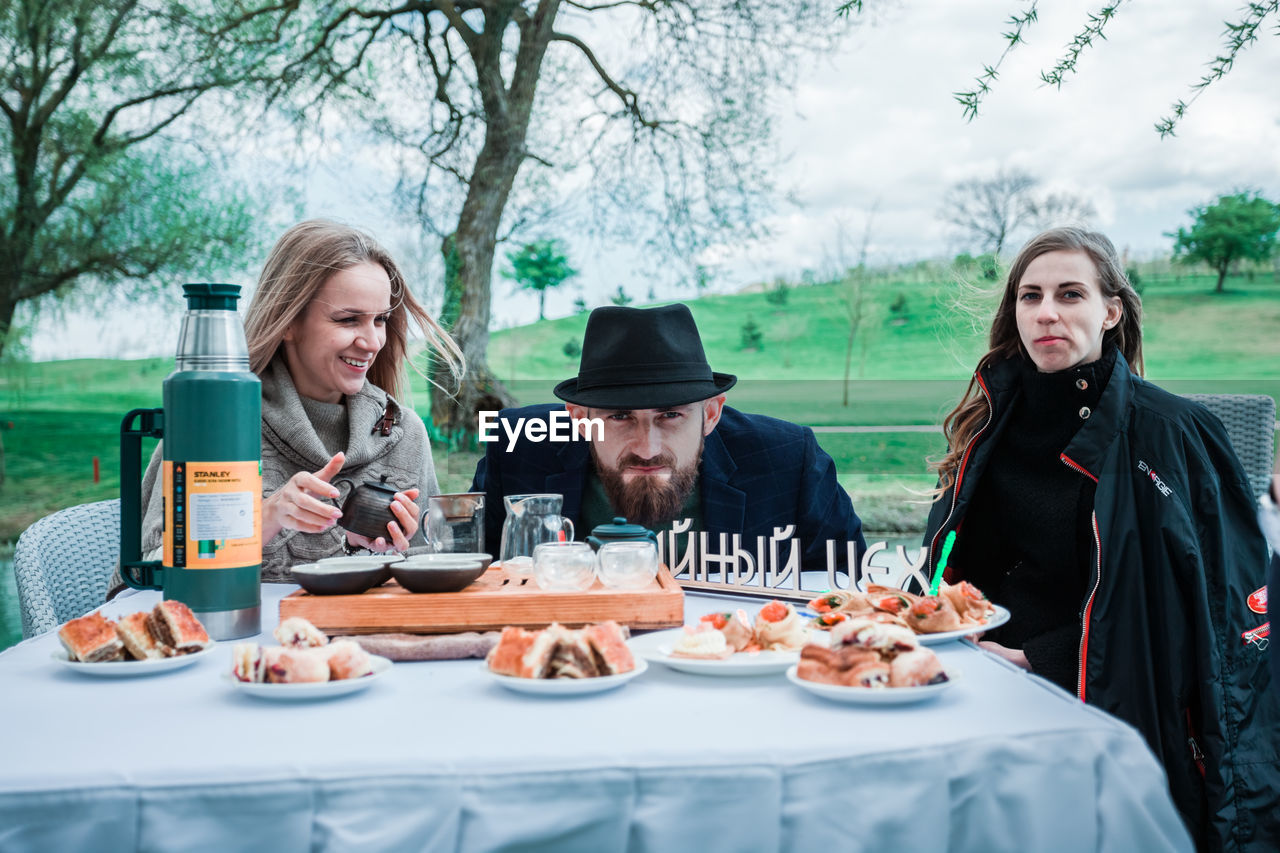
[(213, 514)]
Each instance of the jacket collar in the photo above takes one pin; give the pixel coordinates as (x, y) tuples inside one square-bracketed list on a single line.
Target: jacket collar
[(724, 507), (1089, 445), (1086, 449)]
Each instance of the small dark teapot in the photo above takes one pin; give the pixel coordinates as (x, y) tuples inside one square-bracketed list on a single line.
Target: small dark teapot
[(620, 531), (367, 509)]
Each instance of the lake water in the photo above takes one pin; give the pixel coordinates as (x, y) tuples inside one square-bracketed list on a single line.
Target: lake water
[(10, 615)]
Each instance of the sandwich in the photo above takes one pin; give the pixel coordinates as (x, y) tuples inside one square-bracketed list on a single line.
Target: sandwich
[(91, 639)]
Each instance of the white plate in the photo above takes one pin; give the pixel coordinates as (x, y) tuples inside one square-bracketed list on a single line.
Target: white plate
[(873, 695), (567, 686), (997, 619), (312, 690), (129, 668), (658, 645)]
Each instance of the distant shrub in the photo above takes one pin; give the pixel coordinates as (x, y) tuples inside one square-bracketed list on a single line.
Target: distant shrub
[(621, 297), (752, 335), (579, 306), (779, 294), (899, 305), (1135, 278), (572, 349)]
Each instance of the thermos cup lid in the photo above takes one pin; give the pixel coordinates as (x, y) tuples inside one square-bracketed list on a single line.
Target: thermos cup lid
[(211, 296)]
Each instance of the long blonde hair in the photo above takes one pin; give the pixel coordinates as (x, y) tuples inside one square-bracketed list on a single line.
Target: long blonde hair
[(1005, 342), (301, 261)]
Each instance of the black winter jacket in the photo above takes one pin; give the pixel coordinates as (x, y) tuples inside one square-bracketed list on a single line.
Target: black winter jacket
[(1165, 642)]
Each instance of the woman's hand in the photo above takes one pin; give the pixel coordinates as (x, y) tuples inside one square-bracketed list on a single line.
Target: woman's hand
[(399, 531), (297, 505), (1014, 656)]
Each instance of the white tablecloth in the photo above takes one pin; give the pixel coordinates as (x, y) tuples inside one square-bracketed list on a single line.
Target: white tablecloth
[(435, 756)]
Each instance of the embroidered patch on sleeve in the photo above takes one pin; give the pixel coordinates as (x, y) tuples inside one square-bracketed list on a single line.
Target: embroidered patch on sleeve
[(1258, 600)]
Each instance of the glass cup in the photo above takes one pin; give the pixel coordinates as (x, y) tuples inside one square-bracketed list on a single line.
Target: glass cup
[(564, 566), (627, 565)]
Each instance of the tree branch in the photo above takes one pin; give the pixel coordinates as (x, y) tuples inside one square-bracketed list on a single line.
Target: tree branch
[(630, 101)]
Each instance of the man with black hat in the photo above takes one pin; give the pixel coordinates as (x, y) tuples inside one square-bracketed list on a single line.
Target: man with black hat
[(671, 449)]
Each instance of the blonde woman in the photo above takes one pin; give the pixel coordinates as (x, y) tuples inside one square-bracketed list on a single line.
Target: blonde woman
[(1115, 522), (328, 330)]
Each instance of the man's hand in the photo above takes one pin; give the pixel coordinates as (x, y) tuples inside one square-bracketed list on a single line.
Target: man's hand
[(298, 504)]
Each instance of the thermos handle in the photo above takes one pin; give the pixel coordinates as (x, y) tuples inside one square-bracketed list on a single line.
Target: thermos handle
[(137, 573)]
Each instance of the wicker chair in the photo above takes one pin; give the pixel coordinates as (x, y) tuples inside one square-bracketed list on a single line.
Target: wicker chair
[(1250, 420), (62, 564)]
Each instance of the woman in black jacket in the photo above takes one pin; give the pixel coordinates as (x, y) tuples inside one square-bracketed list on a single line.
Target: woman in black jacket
[(1114, 521)]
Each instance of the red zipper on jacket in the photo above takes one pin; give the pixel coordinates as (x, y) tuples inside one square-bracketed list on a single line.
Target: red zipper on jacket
[(1097, 581), (964, 460)]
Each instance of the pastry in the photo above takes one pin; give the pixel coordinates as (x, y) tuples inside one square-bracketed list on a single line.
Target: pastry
[(174, 625), (780, 628), (736, 628), (609, 645), (916, 668), (297, 633), (91, 639), (297, 666), (703, 642), (571, 655), (347, 660), (247, 662), (137, 638), (969, 601), (933, 614)]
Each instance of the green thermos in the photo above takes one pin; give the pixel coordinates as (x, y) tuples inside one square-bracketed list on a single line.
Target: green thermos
[(211, 424)]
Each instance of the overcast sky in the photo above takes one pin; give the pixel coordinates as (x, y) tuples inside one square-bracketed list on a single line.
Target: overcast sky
[(876, 125)]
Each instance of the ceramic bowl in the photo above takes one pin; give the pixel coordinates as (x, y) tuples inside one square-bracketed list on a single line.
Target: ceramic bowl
[(336, 579), (439, 572)]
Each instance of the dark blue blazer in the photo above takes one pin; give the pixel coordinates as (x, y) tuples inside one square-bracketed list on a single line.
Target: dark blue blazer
[(757, 473)]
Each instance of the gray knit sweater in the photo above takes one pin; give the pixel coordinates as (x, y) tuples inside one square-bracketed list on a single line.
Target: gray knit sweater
[(297, 437)]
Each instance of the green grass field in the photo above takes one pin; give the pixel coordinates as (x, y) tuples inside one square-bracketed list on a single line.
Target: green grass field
[(907, 367)]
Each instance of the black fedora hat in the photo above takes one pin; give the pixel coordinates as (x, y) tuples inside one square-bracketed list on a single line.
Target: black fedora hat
[(642, 358)]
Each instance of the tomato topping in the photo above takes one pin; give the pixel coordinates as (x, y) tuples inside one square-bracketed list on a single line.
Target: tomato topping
[(774, 611), (717, 620), (891, 604), (824, 603), (925, 607), (826, 620)]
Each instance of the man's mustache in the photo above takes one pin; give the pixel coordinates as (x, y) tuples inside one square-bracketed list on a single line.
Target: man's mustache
[(631, 460)]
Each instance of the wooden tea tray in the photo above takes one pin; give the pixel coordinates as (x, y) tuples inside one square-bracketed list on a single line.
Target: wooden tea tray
[(493, 601)]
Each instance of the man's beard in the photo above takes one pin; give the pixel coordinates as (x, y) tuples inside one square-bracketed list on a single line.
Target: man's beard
[(647, 500)]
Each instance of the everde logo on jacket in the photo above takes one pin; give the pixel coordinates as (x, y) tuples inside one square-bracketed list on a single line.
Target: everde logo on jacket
[(1155, 478)]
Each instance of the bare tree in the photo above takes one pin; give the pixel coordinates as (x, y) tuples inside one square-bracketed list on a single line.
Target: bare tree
[(656, 110), (989, 211), (1237, 34)]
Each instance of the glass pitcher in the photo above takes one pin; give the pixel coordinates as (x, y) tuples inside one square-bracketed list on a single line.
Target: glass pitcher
[(531, 520)]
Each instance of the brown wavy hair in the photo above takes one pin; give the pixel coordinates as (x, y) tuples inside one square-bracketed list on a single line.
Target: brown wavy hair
[(301, 261), (1005, 342)]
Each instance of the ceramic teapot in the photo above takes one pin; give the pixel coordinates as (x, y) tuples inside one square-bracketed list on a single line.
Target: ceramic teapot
[(620, 531)]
